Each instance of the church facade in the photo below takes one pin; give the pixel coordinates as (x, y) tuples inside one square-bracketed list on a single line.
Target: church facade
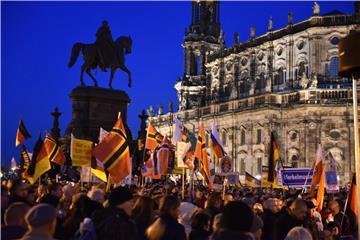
[(284, 81)]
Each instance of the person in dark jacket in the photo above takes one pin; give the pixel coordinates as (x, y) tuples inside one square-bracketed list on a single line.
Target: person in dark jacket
[(269, 217), (200, 226), (167, 225), (236, 222), (114, 222), (294, 217), (18, 192), (212, 206)]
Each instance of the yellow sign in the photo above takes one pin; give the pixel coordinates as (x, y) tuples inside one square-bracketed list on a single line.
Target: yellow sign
[(81, 152)]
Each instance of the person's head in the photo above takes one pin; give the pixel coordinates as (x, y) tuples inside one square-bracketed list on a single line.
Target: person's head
[(144, 209), (50, 199), (216, 224), (256, 227), (68, 191), (97, 195), (42, 218), (199, 194), (334, 207), (228, 198), (279, 204), (214, 200), (15, 214), (237, 216), (271, 205), (55, 189), (298, 233), (298, 209), (105, 23), (258, 208), (18, 188), (169, 206), (41, 190), (121, 197), (200, 220)]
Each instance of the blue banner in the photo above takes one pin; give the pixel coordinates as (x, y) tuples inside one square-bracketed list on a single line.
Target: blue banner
[(295, 177)]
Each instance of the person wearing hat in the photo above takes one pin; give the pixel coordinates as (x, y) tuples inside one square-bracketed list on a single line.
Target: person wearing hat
[(41, 221), (114, 222)]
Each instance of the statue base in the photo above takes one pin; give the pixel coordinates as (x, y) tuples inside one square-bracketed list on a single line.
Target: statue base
[(94, 107)]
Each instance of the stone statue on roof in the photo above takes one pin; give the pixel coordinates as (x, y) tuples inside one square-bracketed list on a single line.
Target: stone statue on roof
[(290, 18), (236, 38), (252, 31), (270, 25), (314, 81), (316, 9), (304, 81)]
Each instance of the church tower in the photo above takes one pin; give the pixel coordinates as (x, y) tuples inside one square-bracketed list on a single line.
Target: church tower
[(202, 37)]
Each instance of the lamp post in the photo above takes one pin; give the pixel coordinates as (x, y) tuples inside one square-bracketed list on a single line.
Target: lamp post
[(349, 53)]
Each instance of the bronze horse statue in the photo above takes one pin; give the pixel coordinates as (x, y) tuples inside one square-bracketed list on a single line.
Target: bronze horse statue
[(122, 46)]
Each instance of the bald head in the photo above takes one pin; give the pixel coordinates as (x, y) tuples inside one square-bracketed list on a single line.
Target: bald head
[(15, 214), (298, 209), (334, 206)]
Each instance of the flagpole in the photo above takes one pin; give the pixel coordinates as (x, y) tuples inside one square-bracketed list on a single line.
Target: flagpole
[(356, 140), (183, 183)]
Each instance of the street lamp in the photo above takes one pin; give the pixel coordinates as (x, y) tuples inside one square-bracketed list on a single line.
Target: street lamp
[(349, 54)]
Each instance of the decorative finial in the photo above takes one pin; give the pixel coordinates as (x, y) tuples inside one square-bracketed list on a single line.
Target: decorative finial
[(290, 18), (270, 25), (236, 38), (171, 107), (55, 131), (151, 111), (252, 32), (316, 9), (160, 110)]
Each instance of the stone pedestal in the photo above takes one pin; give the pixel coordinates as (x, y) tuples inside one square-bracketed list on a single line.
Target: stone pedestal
[(94, 107)]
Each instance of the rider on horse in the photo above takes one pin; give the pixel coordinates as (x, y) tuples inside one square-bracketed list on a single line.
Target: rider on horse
[(104, 44)]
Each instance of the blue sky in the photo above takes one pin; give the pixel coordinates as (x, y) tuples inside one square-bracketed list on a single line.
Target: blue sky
[(37, 37)]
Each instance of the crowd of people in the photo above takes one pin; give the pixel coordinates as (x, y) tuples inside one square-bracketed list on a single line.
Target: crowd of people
[(155, 211)]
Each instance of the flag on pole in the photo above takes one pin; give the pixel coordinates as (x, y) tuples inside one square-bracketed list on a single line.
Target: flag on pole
[(153, 137), (150, 169), (39, 164), (162, 156), (215, 144), (80, 152), (114, 152), (22, 134), (332, 162), (321, 191), (317, 170), (251, 181), (352, 197), (184, 133), (53, 150), (24, 158), (201, 155), (98, 170), (274, 156)]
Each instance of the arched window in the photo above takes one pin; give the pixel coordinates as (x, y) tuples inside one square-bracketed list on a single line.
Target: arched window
[(259, 166), (294, 161), (223, 138), (242, 137), (258, 138), (302, 70), (334, 67), (242, 166)]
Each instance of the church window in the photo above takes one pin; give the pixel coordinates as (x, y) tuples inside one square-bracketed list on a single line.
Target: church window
[(242, 166), (242, 137), (198, 66), (334, 67), (259, 166), (224, 138), (258, 139), (294, 161)]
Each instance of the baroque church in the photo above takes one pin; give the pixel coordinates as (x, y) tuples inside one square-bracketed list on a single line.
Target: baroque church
[(285, 81)]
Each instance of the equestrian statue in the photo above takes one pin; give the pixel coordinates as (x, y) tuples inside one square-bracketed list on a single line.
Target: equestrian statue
[(104, 53)]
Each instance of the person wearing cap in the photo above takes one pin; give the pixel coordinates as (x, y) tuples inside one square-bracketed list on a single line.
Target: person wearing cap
[(41, 221), (114, 222), (235, 223)]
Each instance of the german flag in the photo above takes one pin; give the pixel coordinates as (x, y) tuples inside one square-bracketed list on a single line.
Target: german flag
[(153, 138), (274, 156), (24, 158), (22, 134), (251, 181), (114, 152), (53, 150), (321, 191), (352, 197), (201, 155), (39, 164)]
